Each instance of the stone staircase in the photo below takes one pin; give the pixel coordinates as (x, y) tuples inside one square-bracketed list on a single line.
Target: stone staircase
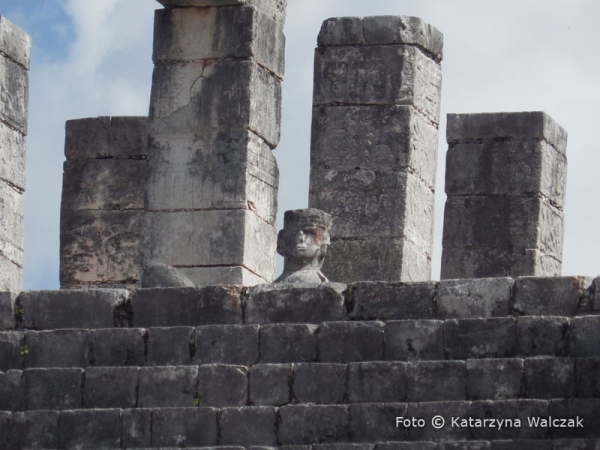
[(324, 367)]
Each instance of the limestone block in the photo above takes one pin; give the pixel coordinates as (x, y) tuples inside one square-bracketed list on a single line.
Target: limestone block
[(220, 385), (221, 171), (12, 208), (7, 301), (57, 348), (14, 95), (106, 137), (136, 427), (341, 31), (215, 98), (14, 43), (519, 167), (483, 297), (373, 382), (273, 8), (227, 344), (254, 425), (100, 247), (549, 296), (236, 32), (90, 428), (11, 344), (170, 346), (34, 429), (494, 379), (52, 389), (119, 347), (12, 274), (549, 378), (288, 343), (542, 336), (229, 276), (319, 383), (375, 422), (269, 384), (436, 381), (306, 424), (167, 387), (351, 341), (111, 387), (12, 155), (480, 338), (378, 75), (192, 427), (513, 125), (210, 238), (585, 336), (11, 390), (586, 372), (407, 340)]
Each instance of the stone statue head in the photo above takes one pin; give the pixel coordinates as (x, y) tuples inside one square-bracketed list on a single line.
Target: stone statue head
[(303, 243)]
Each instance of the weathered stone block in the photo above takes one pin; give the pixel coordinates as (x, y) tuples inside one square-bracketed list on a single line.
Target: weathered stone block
[(216, 98), (463, 299), (573, 444), (228, 276), (12, 350), (288, 343), (549, 378), (11, 390), (7, 317), (227, 344), (523, 444), (557, 296), (217, 171), (184, 426), (376, 382), (407, 446), (15, 44), (343, 447), (111, 387), (119, 347), (319, 383), (34, 429), (585, 336), (414, 340), (4, 421), (220, 385), (494, 379), (341, 31), (308, 424), (55, 389), (253, 425), (58, 348), (537, 336), (480, 338), (168, 386), (587, 377), (351, 341), (436, 380), (187, 306), (12, 273), (90, 428), (219, 33), (91, 308), (447, 410), (514, 125), (281, 303), (270, 384), (376, 422), (587, 410), (12, 208), (12, 154), (210, 238), (136, 428), (14, 98), (374, 137), (513, 409), (465, 445), (273, 8), (170, 346)]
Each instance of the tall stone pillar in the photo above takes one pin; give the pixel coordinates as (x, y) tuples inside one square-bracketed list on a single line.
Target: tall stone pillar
[(505, 181), (374, 145), (102, 205), (15, 47), (211, 186)]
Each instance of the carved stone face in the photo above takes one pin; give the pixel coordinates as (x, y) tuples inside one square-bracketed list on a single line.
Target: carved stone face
[(305, 237), (304, 243)]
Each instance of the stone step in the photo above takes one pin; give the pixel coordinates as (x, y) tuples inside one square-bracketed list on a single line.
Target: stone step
[(368, 423), (329, 342), (217, 385)]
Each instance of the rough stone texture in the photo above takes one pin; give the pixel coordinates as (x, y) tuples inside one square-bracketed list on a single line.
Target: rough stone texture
[(537, 336), (307, 424), (490, 297), (436, 380), (184, 427), (34, 429), (58, 348), (119, 347), (517, 409), (273, 8), (12, 155), (167, 387), (11, 390), (414, 340), (376, 382), (220, 385), (428, 410), (170, 346), (90, 428), (111, 387), (288, 343), (7, 317), (136, 428), (269, 384), (493, 379), (351, 341), (228, 276), (52, 389), (15, 44), (549, 378), (230, 344), (248, 426), (319, 383), (586, 377), (11, 236), (11, 346), (15, 95), (557, 296), (480, 338), (376, 422), (585, 336), (163, 276)]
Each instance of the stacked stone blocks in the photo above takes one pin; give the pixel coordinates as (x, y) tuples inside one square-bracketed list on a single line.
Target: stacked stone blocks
[(15, 47), (374, 145), (102, 205)]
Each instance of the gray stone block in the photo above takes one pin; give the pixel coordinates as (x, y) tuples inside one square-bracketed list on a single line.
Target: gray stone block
[(119, 347), (58, 348), (341, 31), (184, 427), (549, 378), (319, 383), (34, 429), (447, 410), (585, 336), (15, 94), (374, 137), (111, 387), (91, 308), (12, 274), (227, 344), (187, 306), (12, 350), (7, 317), (12, 154), (391, 301), (170, 346), (510, 409), (480, 338), (90, 428), (376, 422), (311, 424), (465, 445), (136, 428), (273, 8), (414, 340), (221, 385), (537, 336), (288, 343), (596, 294), (270, 384), (463, 299), (494, 379), (376, 382), (226, 276), (56, 389), (343, 447), (587, 374), (4, 421), (407, 446), (168, 387), (522, 444), (252, 425), (280, 303), (11, 390), (234, 170), (557, 296), (573, 444), (194, 34), (14, 43), (587, 410), (351, 341), (515, 125), (12, 207), (436, 380)]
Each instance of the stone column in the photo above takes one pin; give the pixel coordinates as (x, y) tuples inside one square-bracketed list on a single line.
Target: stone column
[(505, 181), (15, 47), (211, 186), (374, 145), (102, 202)]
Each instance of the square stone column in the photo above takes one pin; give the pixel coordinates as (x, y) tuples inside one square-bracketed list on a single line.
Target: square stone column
[(15, 47), (102, 204), (505, 181), (212, 180), (374, 144)]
